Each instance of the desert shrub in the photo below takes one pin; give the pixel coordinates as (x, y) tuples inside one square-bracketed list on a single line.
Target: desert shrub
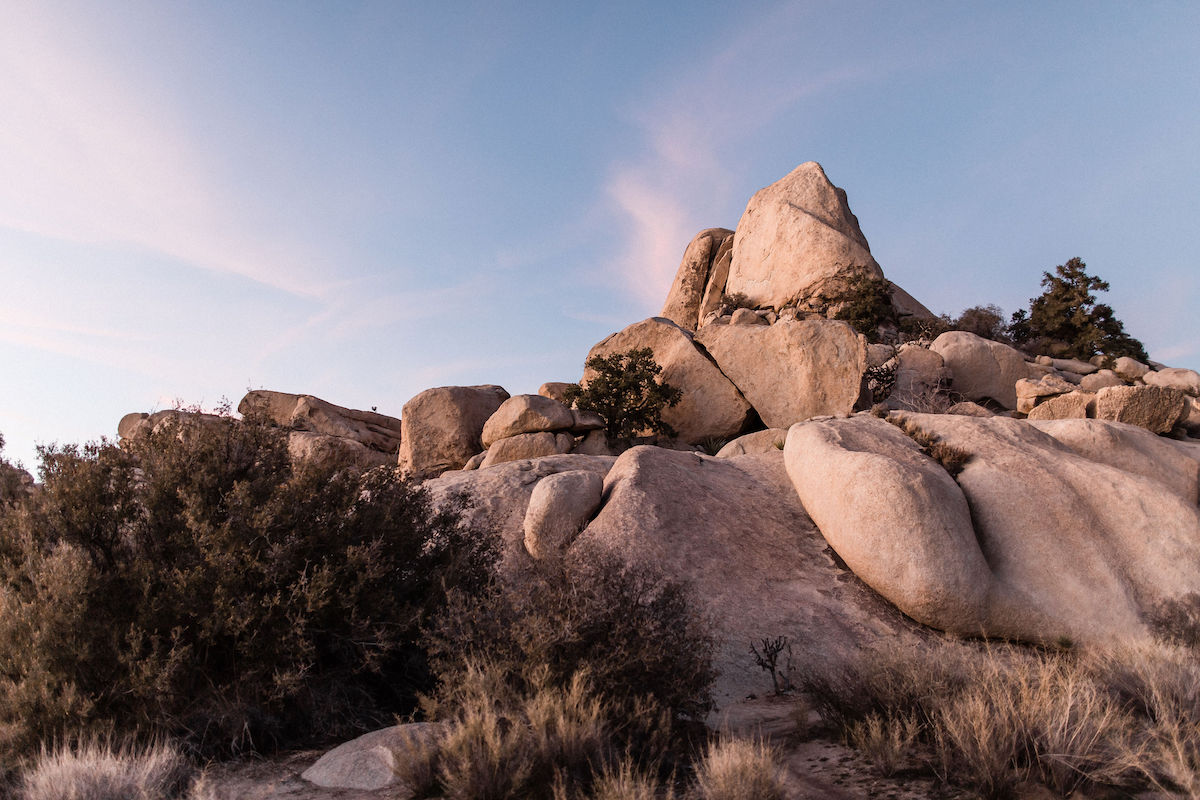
[(886, 740), (1067, 313), (506, 741), (986, 321), (14, 481), (766, 656), (626, 782), (633, 633), (919, 328), (99, 770), (867, 305), (737, 300), (624, 389), (194, 582), (952, 459), (739, 769)]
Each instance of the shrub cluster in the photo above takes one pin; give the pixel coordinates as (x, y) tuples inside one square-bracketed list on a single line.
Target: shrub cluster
[(195, 582), (624, 389)]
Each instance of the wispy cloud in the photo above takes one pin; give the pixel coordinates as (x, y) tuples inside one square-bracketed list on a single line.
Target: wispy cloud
[(87, 157), (690, 125)]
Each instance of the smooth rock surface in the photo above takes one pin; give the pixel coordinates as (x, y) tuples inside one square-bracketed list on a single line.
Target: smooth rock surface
[(442, 427), (560, 506), (1130, 449), (555, 390), (527, 445), (771, 439), (1072, 405), (792, 370), (1129, 368), (710, 406), (1091, 547), (526, 413), (982, 369), (1188, 380), (798, 240), (734, 529), (1100, 379), (496, 499)]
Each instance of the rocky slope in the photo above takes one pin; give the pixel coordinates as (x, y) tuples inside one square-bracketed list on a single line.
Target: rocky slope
[(1047, 506)]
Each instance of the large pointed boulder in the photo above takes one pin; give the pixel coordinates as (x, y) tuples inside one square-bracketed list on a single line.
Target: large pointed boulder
[(711, 406), (798, 240), (792, 370)]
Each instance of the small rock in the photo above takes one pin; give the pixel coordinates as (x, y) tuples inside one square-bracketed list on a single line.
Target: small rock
[(1155, 408), (1175, 378), (1129, 368), (746, 316), (767, 441), (1029, 392), (1098, 380), (526, 413), (369, 762), (527, 445), (1072, 405)]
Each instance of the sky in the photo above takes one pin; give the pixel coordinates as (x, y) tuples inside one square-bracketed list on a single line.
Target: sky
[(362, 200)]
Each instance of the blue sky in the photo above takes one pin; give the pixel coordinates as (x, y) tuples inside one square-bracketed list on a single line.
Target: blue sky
[(364, 200)]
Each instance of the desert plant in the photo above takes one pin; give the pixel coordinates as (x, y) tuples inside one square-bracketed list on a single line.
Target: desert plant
[(100, 770), (1067, 313), (767, 659), (952, 459), (626, 782), (886, 739), (739, 769), (624, 389), (737, 300), (195, 582), (986, 321), (635, 634), (508, 743), (866, 303)]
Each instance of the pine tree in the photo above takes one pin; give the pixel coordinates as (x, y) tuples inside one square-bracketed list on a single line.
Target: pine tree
[(1067, 312)]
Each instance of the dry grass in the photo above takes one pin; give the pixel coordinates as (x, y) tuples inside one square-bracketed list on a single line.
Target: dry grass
[(991, 717), (625, 782), (503, 743), (888, 741), (739, 769), (98, 770)]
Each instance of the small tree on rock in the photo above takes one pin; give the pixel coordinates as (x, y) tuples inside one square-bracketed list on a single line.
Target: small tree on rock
[(1067, 312), (625, 390)]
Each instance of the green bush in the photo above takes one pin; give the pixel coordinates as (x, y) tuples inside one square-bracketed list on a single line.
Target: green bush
[(634, 634), (195, 582), (1067, 313), (986, 321), (867, 305), (625, 390)]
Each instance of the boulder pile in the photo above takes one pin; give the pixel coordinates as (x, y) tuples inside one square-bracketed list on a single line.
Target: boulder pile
[(859, 491)]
